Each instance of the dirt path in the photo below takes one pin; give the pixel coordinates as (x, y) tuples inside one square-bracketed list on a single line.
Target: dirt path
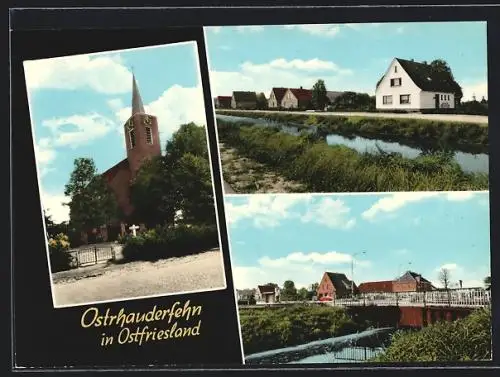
[(442, 117), (246, 176), (138, 279)]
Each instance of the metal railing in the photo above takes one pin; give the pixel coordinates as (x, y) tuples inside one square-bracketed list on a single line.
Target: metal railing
[(91, 255)]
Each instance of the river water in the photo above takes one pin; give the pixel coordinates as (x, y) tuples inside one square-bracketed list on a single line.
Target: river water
[(469, 162), (352, 348)]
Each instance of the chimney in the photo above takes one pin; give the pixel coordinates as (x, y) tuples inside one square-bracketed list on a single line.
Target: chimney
[(460, 283)]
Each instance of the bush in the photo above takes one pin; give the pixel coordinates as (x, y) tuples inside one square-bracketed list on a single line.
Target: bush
[(60, 258), (271, 328), (462, 340), (168, 241)]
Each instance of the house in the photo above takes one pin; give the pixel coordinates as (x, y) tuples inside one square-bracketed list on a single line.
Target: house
[(275, 98), (223, 102), (332, 96), (244, 100), (335, 285), (376, 287), (297, 99), (268, 293), (412, 86), (245, 295), (412, 282)]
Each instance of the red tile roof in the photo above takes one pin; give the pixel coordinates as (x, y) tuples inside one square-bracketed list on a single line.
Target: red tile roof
[(376, 286), (279, 93), (302, 94)]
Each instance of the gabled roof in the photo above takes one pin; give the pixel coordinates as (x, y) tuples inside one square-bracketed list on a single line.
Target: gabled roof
[(245, 96), (224, 97), (333, 95), (426, 79), (410, 275), (341, 283), (111, 172), (302, 94), (279, 93), (267, 288), (376, 286)]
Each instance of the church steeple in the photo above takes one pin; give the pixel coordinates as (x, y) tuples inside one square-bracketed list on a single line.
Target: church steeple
[(137, 105)]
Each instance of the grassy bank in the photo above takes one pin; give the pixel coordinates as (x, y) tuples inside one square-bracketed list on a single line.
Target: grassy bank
[(324, 168), (272, 328), (463, 340), (429, 134)]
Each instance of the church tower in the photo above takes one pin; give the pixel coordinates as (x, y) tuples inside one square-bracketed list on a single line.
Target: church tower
[(142, 138)]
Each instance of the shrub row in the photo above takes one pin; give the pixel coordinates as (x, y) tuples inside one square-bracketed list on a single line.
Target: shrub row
[(60, 258), (166, 242), (272, 328), (462, 340), (325, 168), (472, 137)]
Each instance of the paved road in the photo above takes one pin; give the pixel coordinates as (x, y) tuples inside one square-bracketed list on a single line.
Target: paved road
[(442, 117), (203, 271)]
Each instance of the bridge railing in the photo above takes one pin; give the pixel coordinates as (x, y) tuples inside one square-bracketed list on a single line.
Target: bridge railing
[(472, 297)]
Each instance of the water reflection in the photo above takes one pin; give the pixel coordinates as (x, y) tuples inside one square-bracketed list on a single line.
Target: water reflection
[(474, 163)]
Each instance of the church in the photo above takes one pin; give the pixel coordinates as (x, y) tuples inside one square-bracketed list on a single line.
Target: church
[(142, 142)]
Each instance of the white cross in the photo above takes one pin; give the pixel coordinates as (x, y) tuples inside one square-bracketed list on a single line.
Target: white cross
[(133, 228)]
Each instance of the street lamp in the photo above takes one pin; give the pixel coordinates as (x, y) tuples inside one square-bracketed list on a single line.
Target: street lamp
[(352, 271)]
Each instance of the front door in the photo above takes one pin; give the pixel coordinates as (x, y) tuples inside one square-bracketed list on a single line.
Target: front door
[(436, 97)]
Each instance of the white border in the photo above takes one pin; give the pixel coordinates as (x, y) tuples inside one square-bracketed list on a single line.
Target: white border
[(195, 47), (224, 195)]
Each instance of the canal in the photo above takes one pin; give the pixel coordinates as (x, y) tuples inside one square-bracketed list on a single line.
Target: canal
[(469, 162)]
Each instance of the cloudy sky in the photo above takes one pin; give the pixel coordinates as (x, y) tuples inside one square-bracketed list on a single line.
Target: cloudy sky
[(348, 57), (297, 237), (79, 104)]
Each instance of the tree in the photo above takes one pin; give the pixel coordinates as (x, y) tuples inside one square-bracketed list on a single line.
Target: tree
[(92, 203), (319, 98), (441, 66), (445, 278), (289, 292), (487, 282), (261, 101), (303, 294)]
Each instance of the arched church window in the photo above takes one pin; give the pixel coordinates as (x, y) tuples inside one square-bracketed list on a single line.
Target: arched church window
[(149, 135)]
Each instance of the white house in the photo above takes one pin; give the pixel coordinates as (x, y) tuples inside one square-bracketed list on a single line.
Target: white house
[(413, 86), (268, 293), (297, 98)]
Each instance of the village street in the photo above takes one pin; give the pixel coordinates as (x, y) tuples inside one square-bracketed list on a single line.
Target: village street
[(202, 271), (442, 117)]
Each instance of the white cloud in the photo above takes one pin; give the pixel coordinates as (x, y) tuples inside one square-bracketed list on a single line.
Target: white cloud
[(176, 106), (323, 30), (450, 267), (331, 213), (477, 89), (302, 268), (43, 152), (396, 201), (53, 204), (104, 74), (116, 104), (264, 210), (250, 28), (279, 72), (82, 129)]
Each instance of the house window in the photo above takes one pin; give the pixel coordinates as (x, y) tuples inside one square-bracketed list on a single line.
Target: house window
[(396, 82), (404, 99), (395, 69), (131, 135), (387, 100), (149, 135)]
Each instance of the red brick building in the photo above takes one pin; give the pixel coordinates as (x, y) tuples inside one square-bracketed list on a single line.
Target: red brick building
[(376, 287), (334, 285), (412, 282), (142, 142)]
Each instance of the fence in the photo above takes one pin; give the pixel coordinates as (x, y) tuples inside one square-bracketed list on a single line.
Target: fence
[(91, 255)]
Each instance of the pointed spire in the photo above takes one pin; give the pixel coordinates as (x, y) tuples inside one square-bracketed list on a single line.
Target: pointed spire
[(137, 106)]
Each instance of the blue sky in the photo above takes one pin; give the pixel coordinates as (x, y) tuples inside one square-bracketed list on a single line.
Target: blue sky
[(299, 236), (347, 57), (78, 105)]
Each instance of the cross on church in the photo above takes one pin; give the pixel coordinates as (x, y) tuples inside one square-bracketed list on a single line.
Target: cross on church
[(133, 228)]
